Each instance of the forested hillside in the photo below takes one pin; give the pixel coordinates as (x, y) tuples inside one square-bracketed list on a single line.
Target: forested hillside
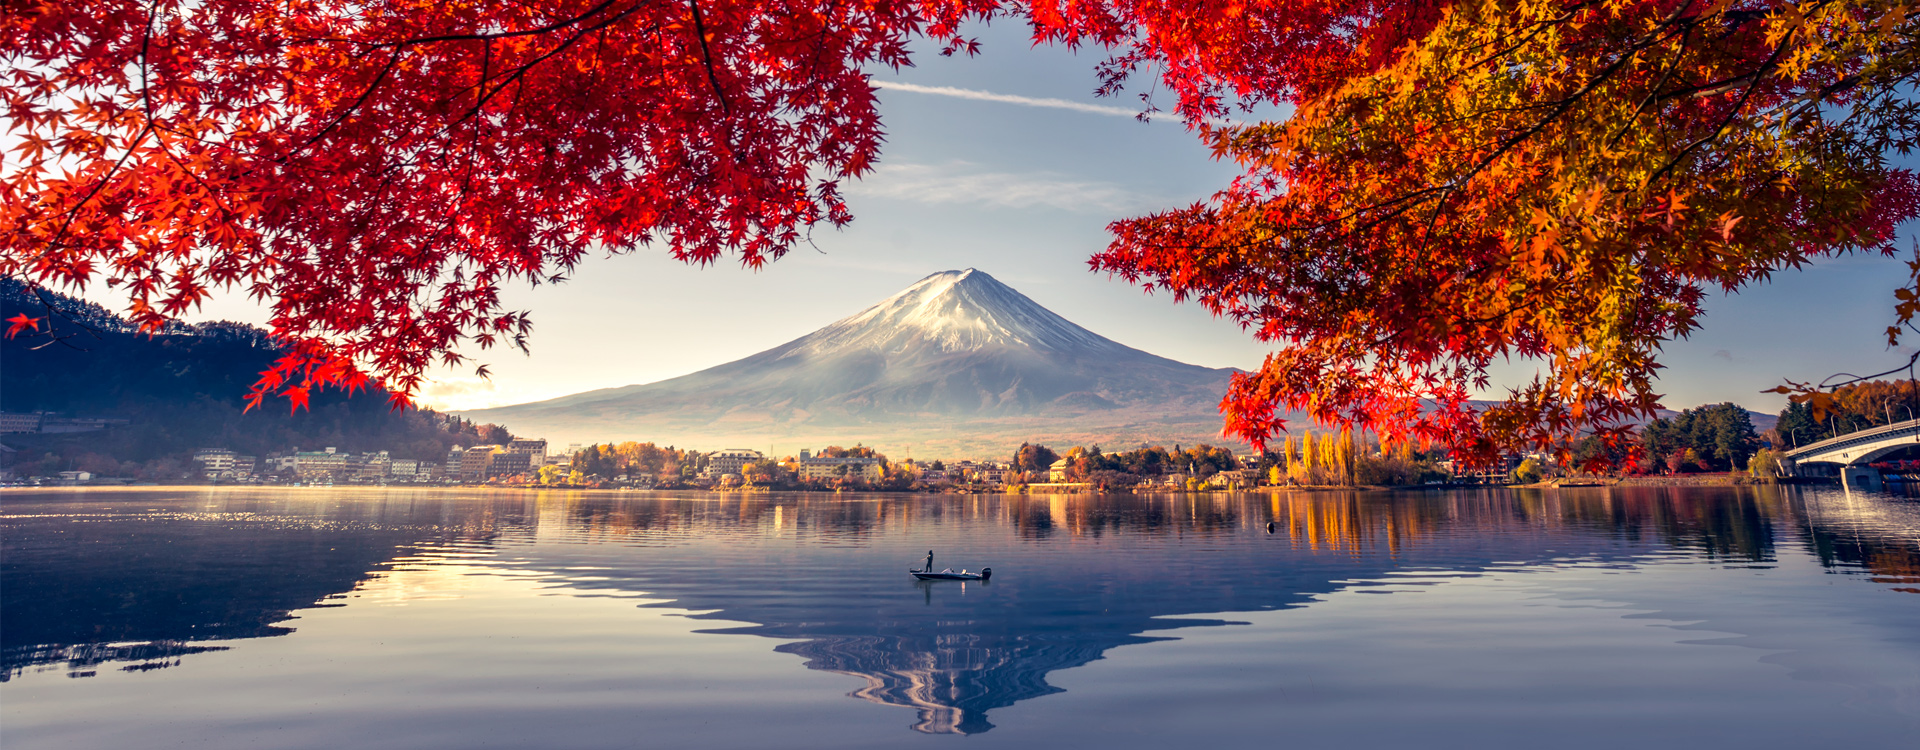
[(181, 391)]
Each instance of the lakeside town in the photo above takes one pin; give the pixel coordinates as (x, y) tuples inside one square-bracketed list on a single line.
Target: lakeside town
[(1336, 459), (1715, 443), (643, 466)]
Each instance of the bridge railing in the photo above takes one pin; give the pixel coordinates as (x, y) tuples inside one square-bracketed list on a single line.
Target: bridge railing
[(1863, 437)]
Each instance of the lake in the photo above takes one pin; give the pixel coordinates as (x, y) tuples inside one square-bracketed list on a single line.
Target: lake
[(1744, 617)]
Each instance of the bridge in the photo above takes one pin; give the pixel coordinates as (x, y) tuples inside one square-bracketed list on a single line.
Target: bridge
[(1855, 449)]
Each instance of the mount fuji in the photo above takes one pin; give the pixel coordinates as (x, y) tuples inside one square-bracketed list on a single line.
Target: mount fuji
[(957, 364)]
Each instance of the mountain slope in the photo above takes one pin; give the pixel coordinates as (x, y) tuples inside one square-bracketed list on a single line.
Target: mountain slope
[(180, 390), (957, 361)]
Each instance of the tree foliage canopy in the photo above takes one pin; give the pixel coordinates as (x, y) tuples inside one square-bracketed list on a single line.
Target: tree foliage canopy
[(1458, 182), (1713, 438), (1849, 408), (1563, 181)]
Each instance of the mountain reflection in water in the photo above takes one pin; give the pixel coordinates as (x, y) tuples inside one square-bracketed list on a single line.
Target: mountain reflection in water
[(140, 579)]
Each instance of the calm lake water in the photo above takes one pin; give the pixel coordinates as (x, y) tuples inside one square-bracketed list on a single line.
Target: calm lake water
[(318, 618)]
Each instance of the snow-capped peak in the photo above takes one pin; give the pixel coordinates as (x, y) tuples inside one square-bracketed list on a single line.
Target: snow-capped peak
[(956, 311)]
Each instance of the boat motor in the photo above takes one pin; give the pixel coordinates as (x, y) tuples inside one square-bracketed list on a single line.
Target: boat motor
[(986, 573)]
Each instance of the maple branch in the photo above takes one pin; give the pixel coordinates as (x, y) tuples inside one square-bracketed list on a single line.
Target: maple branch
[(556, 26), (473, 146), (146, 43), (72, 213), (1852, 378), (1721, 128), (342, 115), (1539, 27), (700, 30), (53, 311), (1556, 110), (518, 75), (1653, 92), (1713, 88)]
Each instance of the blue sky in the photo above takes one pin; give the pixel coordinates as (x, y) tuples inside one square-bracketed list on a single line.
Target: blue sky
[(1023, 190)]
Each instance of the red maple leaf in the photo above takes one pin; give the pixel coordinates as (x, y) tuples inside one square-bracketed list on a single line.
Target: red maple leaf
[(20, 323), (297, 396)]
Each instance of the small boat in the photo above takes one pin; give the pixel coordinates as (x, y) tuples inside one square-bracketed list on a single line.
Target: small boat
[(950, 575)]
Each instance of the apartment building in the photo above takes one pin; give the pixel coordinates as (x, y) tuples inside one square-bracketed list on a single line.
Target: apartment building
[(731, 461)]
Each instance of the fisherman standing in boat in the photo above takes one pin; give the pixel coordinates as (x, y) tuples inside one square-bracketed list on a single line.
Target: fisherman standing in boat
[(929, 567)]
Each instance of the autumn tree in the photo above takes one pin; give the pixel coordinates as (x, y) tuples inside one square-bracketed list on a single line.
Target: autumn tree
[(1846, 409), (1457, 182), (1716, 438), (857, 451), (1034, 459), (1561, 181), (375, 171)]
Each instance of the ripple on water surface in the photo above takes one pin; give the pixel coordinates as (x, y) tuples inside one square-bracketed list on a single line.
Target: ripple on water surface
[(1657, 617)]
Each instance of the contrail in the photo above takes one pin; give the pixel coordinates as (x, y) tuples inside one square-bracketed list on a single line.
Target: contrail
[(1028, 101)]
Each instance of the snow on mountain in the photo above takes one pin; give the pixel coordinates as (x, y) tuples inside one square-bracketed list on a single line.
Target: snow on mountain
[(954, 311), (958, 359)]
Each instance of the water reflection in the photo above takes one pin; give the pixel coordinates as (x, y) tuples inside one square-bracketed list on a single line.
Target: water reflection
[(140, 581)]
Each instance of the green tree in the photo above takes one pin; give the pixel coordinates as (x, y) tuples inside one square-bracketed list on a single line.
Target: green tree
[(1529, 472), (1715, 438)]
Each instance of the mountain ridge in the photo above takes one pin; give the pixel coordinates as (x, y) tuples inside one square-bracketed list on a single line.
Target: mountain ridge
[(993, 366), (957, 362)]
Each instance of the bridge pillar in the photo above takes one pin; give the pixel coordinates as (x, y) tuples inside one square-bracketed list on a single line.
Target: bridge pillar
[(1863, 478)]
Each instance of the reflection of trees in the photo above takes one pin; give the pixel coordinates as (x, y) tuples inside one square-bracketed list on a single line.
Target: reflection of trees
[(1877, 534), (662, 518), (158, 583), (90, 589), (1077, 575), (1729, 523), (1895, 565), (1353, 522), (1094, 516), (1722, 523), (954, 660)]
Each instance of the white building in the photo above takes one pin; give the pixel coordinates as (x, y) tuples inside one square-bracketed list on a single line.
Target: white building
[(534, 446), (730, 461), (14, 422), (1058, 471), (319, 464), (373, 465), (220, 463), (214, 462)]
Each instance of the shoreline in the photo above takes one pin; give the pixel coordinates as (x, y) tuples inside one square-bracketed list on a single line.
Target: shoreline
[(1685, 480)]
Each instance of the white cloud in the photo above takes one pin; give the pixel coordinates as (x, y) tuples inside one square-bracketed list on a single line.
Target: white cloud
[(962, 183), (458, 393), (1026, 101)]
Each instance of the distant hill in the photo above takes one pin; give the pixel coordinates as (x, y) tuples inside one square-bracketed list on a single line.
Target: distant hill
[(1761, 420), (181, 391), (957, 364)]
